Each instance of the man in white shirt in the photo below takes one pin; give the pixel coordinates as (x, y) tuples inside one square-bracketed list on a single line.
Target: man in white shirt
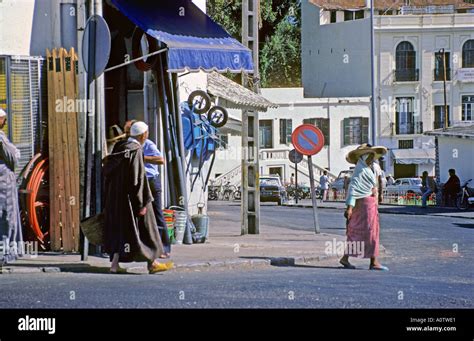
[(324, 184)]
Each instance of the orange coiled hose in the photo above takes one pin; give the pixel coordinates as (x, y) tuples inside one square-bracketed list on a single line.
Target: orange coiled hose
[(32, 188)]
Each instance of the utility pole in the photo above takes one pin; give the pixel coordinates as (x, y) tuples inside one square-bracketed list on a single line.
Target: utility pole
[(372, 70), (250, 209)]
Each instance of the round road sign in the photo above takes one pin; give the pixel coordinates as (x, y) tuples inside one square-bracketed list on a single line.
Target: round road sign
[(295, 157), (307, 139)]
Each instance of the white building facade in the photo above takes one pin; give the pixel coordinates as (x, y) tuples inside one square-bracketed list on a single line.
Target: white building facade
[(343, 121), (410, 43)]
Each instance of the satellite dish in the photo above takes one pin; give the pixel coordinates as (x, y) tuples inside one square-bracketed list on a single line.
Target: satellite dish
[(96, 45)]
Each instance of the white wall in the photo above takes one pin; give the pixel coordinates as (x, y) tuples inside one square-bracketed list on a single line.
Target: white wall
[(292, 105), (458, 154), (16, 23), (29, 27), (335, 57)]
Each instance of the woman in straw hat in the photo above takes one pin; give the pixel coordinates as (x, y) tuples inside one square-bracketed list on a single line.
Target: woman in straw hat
[(362, 207), (114, 134)]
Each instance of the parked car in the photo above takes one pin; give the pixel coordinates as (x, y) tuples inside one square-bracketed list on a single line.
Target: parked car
[(272, 190), (405, 185), (338, 184)]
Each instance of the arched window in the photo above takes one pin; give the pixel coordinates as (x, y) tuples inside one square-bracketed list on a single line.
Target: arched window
[(468, 54), (405, 58)]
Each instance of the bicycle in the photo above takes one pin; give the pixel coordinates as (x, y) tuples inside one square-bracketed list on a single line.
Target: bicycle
[(464, 198)]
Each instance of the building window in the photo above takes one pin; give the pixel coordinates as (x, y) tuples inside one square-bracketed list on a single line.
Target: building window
[(356, 130), (321, 123), (439, 66), (468, 108), (468, 54), (405, 144), (405, 117), (266, 134), (440, 117), (348, 15), (359, 14), (286, 128), (405, 59), (333, 17), (223, 141)]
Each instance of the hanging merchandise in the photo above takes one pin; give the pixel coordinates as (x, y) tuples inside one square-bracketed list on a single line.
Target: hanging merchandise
[(200, 139)]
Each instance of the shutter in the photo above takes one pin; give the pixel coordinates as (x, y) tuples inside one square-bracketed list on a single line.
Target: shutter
[(282, 131), (289, 130), (365, 130), (397, 122), (347, 132), (325, 129)]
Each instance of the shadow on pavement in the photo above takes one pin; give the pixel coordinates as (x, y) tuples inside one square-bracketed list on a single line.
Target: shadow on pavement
[(465, 226)]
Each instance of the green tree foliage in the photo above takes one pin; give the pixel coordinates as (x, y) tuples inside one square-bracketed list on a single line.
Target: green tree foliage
[(279, 34)]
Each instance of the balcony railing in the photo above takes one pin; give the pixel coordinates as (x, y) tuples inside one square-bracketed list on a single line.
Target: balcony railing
[(407, 75), (409, 128), (439, 74)]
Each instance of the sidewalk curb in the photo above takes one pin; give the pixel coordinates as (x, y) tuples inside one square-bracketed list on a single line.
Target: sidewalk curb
[(28, 270), (271, 261), (383, 210)]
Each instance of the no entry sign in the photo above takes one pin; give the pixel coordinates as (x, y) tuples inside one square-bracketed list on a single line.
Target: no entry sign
[(307, 139), (295, 157)]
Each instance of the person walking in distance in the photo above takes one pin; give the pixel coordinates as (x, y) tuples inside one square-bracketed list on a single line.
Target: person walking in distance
[(451, 188), (324, 184), (428, 186)]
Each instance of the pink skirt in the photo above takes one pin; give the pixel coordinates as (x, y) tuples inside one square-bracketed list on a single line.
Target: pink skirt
[(363, 229)]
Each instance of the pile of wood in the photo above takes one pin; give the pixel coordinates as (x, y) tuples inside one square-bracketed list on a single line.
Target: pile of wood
[(63, 150)]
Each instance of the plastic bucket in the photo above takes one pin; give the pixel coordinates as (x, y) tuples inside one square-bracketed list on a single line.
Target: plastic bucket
[(180, 220), (169, 220)]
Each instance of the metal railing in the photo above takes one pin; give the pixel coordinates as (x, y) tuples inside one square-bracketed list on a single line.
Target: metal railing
[(409, 128), (234, 176), (402, 198), (407, 75)]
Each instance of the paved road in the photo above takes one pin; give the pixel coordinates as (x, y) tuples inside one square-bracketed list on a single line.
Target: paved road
[(424, 272)]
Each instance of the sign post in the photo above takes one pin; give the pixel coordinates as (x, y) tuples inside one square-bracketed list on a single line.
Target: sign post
[(296, 158), (309, 140)]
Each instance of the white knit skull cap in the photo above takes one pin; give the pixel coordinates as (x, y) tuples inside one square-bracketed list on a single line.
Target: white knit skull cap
[(138, 128), (3, 113)]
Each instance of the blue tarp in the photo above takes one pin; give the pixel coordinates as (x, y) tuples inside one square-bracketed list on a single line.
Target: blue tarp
[(194, 40)]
